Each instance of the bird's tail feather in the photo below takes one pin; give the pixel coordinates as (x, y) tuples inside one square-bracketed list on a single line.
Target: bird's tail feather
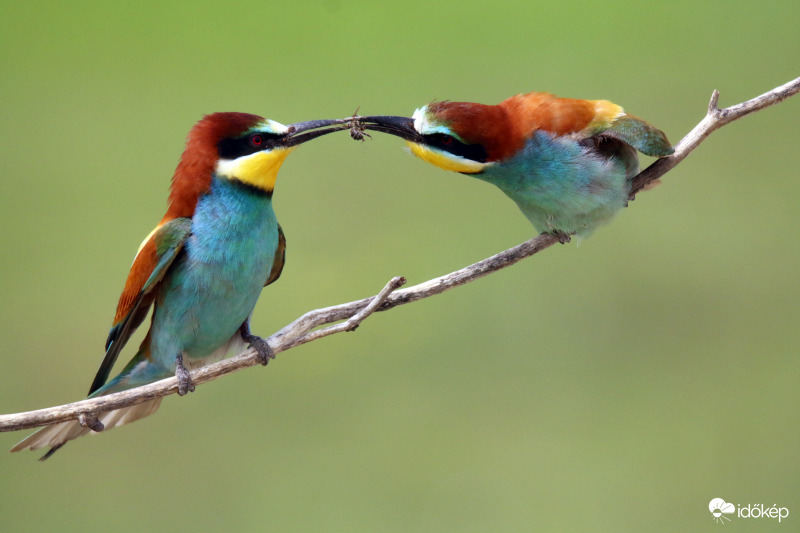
[(139, 371), (57, 435)]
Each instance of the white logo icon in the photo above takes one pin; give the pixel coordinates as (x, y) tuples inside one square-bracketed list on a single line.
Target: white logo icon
[(719, 508)]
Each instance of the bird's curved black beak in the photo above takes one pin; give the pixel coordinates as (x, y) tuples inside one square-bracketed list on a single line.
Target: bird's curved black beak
[(301, 132), (402, 127)]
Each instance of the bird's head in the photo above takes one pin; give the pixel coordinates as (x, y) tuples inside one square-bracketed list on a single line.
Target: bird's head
[(458, 136), (240, 147)]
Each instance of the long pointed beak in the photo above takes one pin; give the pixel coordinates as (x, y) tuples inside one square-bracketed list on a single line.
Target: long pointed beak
[(402, 127), (301, 132)]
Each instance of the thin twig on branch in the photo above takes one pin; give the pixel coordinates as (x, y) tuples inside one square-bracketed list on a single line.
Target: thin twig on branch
[(715, 118), (303, 329)]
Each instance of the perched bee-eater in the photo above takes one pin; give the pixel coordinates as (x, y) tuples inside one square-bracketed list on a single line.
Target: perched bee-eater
[(202, 268), (567, 163)]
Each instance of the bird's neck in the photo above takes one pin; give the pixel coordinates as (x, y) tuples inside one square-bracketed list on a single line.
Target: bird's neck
[(233, 206)]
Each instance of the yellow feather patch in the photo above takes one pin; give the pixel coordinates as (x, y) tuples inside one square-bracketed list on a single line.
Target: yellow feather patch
[(605, 113), (444, 160), (145, 240), (259, 169)]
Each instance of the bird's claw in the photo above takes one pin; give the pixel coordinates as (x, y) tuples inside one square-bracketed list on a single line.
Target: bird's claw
[(91, 422), (261, 346), (562, 236), (185, 383)]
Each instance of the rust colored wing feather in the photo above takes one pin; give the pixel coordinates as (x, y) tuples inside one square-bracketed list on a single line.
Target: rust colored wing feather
[(151, 264), (141, 269)]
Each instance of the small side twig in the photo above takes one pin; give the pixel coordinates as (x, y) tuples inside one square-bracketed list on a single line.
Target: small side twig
[(715, 118), (354, 321)]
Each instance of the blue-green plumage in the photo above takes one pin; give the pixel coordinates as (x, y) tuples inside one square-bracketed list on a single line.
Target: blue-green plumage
[(215, 285), (212, 286), (564, 185)]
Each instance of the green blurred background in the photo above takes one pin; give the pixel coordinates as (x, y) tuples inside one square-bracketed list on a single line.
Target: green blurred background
[(615, 386)]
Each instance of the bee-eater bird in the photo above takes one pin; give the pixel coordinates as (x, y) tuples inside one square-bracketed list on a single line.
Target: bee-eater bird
[(202, 268), (568, 164)]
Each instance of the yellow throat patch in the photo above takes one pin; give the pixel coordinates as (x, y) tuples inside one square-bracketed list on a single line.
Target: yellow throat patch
[(259, 169), (444, 160)]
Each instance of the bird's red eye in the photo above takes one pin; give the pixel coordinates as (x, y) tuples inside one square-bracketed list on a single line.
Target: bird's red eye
[(447, 140), (256, 139)]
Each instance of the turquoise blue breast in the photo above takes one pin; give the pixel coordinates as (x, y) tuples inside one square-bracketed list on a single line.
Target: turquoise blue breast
[(214, 287), (559, 184)]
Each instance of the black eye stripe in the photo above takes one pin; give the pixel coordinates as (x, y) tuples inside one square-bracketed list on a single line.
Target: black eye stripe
[(246, 145), (448, 143)]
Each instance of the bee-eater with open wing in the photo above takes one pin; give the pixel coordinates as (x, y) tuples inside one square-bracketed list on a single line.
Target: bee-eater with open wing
[(568, 164)]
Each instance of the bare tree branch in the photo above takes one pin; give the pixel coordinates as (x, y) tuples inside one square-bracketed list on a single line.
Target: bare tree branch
[(303, 330), (715, 118)]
